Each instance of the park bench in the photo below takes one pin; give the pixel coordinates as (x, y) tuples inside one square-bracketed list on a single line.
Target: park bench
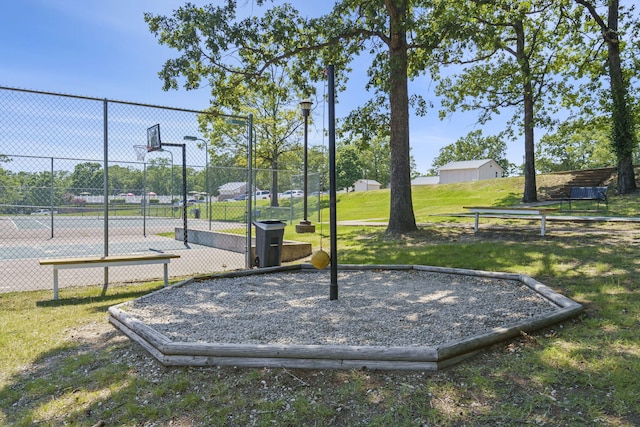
[(506, 212), (107, 261), (598, 194)]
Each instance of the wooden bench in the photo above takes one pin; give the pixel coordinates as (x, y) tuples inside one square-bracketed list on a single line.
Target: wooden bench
[(516, 212), (598, 194), (107, 261)]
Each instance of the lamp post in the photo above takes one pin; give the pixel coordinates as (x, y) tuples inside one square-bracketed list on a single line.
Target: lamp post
[(305, 225), (206, 173)]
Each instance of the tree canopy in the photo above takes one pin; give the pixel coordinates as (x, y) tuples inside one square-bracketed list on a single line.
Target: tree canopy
[(273, 102), (225, 51), (511, 61), (510, 56), (577, 144), (608, 28)]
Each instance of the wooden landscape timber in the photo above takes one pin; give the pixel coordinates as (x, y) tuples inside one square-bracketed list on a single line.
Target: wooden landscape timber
[(430, 358)]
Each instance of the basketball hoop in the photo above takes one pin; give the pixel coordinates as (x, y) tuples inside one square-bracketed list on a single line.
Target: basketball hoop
[(141, 152)]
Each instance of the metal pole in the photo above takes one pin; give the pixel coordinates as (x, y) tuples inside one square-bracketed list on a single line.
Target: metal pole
[(52, 197), (172, 179), (185, 239), (144, 200), (184, 189), (333, 288), (250, 186), (171, 186), (306, 178), (105, 192), (206, 183)]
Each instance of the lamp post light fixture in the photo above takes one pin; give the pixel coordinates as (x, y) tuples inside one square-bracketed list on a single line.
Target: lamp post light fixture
[(305, 225), (206, 173)]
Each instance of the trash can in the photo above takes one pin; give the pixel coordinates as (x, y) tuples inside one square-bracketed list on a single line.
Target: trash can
[(196, 213), (269, 236)]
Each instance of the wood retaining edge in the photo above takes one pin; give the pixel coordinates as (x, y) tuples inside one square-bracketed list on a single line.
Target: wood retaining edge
[(336, 356)]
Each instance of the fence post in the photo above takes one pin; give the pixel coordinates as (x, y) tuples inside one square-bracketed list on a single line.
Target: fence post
[(250, 189), (105, 190), (52, 198)]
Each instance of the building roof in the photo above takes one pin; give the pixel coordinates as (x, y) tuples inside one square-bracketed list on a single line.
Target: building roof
[(368, 181), (425, 180), (467, 164)]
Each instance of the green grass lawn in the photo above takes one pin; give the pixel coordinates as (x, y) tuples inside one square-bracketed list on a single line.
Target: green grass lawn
[(63, 364)]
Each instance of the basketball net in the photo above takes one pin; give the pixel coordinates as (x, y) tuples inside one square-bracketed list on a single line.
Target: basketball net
[(141, 152)]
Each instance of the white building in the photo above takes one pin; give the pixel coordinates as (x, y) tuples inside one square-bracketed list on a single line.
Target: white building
[(366, 185), (471, 170), (231, 190)]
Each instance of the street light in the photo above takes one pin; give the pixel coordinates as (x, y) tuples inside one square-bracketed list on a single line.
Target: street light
[(206, 172), (305, 225)]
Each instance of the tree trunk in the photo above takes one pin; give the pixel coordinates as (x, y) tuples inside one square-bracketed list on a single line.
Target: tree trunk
[(623, 137), (401, 216), (530, 188)]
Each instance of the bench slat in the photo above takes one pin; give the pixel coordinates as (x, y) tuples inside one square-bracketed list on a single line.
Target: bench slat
[(103, 259), (588, 193), (598, 194)]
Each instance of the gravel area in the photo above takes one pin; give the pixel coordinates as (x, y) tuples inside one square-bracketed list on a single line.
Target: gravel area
[(374, 308)]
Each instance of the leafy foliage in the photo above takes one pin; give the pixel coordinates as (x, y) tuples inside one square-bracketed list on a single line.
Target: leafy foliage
[(349, 167), (273, 103), (577, 144), (87, 176)]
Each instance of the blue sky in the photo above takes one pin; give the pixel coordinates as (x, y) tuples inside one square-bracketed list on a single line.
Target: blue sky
[(104, 49)]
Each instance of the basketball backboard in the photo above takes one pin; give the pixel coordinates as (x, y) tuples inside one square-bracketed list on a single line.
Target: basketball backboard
[(153, 138)]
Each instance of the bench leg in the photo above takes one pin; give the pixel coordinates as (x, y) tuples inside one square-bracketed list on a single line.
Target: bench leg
[(105, 283), (166, 274), (55, 283), (543, 226), (475, 226)]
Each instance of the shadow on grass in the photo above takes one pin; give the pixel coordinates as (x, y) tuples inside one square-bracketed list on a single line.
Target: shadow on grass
[(112, 295)]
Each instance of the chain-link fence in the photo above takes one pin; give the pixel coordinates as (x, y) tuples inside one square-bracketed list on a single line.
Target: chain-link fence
[(74, 182)]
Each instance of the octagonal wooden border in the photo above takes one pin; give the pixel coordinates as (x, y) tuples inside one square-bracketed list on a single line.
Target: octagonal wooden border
[(431, 358)]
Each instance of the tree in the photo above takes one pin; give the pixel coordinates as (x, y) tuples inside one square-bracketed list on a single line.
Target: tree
[(9, 189), (348, 166), (623, 137), (124, 179), (319, 164), (375, 161), (87, 177), (159, 176), (577, 144), (512, 59), (399, 34), (474, 146), (274, 104)]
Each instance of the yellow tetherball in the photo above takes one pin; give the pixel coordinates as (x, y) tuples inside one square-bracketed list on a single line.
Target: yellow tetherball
[(320, 259)]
